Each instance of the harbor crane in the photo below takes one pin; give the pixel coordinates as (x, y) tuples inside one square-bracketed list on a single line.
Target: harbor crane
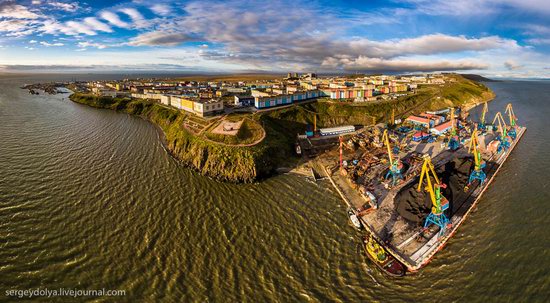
[(477, 173), (484, 112), (395, 165), (510, 111), (502, 128), (454, 142), (439, 203)]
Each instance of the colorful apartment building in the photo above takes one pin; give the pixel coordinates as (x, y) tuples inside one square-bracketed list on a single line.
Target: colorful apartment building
[(261, 100), (200, 107), (347, 93)]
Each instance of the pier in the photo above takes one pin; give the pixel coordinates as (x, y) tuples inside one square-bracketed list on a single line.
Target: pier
[(411, 244)]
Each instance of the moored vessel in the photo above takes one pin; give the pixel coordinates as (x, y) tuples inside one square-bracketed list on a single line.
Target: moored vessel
[(381, 258)]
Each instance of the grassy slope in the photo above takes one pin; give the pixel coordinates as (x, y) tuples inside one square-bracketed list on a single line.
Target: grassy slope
[(329, 113), (234, 164)]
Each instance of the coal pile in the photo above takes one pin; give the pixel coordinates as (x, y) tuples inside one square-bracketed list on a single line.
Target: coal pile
[(415, 206)]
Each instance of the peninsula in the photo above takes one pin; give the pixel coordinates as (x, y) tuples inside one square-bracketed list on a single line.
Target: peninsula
[(244, 128)]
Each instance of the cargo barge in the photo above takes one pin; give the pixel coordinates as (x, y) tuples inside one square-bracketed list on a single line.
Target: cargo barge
[(398, 219), (416, 247)]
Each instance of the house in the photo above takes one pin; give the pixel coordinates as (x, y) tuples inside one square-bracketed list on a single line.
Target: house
[(418, 136), (425, 122), (442, 128), (436, 118), (147, 96), (207, 107)]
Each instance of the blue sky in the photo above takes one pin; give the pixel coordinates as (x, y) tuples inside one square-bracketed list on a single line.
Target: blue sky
[(498, 38)]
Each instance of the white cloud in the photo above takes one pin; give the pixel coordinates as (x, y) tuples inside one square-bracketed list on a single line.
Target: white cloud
[(47, 44), (79, 28), (539, 41), (161, 9), (365, 63), (65, 6), (159, 38), (97, 25), (137, 18), (114, 19), (87, 44), (428, 44), (512, 65), (33, 41), (9, 9), (12, 25), (261, 37)]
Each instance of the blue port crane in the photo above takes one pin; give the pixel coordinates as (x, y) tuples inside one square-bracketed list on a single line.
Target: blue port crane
[(477, 173), (454, 141), (503, 130), (510, 111), (395, 165), (439, 202)]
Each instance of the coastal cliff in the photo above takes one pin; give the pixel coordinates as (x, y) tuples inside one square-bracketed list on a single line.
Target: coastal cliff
[(225, 163)]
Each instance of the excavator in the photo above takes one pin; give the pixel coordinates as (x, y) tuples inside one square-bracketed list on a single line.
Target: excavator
[(454, 141), (481, 126), (503, 129), (477, 173), (439, 203), (510, 111), (395, 165)]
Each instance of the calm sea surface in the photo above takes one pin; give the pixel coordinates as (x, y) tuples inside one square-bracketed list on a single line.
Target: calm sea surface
[(89, 199)]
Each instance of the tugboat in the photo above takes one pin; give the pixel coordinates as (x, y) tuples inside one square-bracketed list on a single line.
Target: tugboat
[(382, 258), (353, 219)]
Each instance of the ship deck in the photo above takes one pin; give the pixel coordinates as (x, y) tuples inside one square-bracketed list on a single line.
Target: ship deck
[(410, 243)]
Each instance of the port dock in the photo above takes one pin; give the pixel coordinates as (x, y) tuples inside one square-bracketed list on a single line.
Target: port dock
[(414, 245)]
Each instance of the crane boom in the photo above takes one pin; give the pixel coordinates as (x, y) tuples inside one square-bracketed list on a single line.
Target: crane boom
[(510, 111), (502, 127), (394, 165), (386, 140), (453, 129), (484, 112), (477, 173), (473, 148), (427, 168), (439, 202)]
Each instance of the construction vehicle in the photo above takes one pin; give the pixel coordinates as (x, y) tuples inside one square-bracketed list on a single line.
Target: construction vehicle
[(481, 126), (477, 173), (439, 203), (395, 165), (454, 140), (510, 111), (503, 130)]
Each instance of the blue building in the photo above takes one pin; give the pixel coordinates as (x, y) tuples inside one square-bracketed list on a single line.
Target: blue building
[(272, 101)]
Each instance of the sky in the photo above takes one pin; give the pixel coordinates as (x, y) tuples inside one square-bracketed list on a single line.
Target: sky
[(496, 38)]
